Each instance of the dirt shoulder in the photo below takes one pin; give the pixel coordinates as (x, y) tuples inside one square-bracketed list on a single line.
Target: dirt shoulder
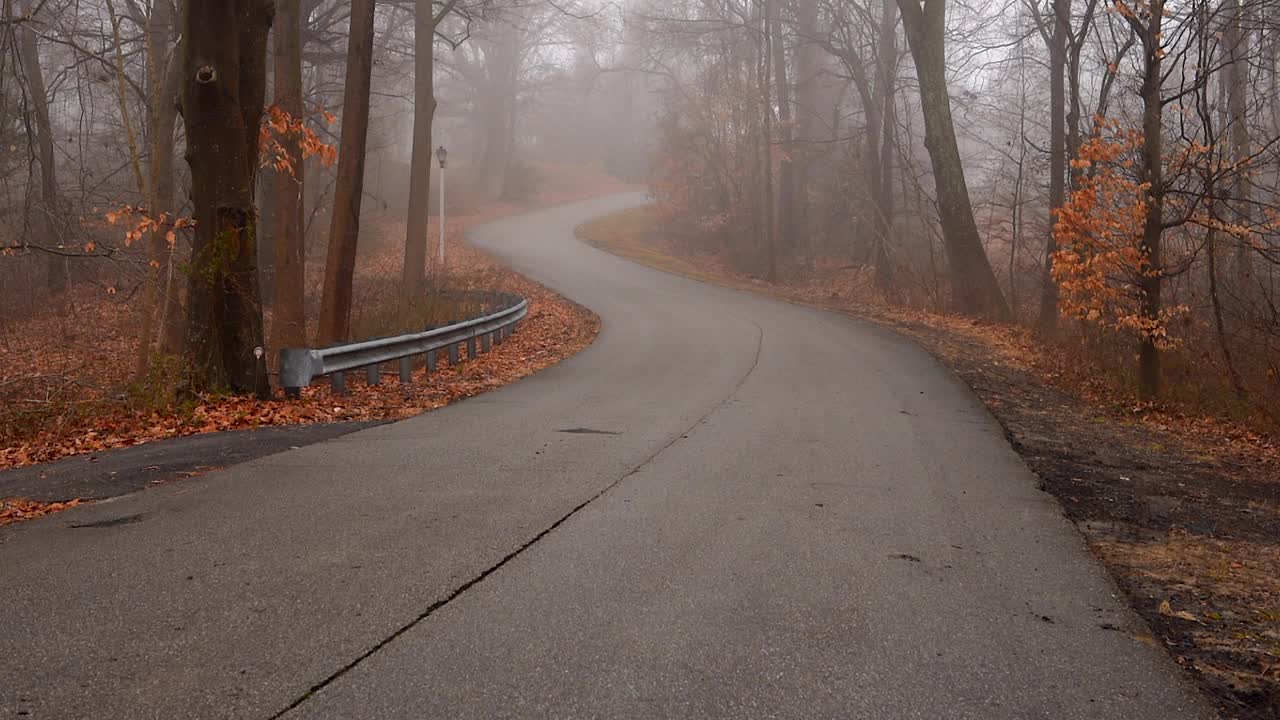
[(1184, 513)]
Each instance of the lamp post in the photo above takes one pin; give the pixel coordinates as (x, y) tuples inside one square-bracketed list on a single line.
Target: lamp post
[(442, 155)]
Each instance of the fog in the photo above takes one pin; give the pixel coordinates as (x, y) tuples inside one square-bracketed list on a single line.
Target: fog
[(802, 342)]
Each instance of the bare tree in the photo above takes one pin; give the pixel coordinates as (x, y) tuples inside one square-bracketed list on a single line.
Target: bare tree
[(344, 231), (974, 285), (426, 20), (45, 227)]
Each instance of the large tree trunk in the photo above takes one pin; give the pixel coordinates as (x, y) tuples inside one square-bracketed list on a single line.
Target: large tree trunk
[(502, 68), (45, 227), (344, 230), (769, 227), (225, 81), (786, 163), (808, 114), (161, 321), (413, 282), (1236, 39), (1151, 174), (974, 287), (1061, 24), (883, 147), (289, 321)]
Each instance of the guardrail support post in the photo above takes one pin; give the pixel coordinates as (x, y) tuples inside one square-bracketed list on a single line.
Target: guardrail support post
[(431, 361), (471, 348), (486, 342), (373, 375), (453, 355), (406, 370), (338, 381)]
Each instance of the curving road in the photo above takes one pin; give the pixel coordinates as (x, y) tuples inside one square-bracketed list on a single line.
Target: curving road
[(727, 507)]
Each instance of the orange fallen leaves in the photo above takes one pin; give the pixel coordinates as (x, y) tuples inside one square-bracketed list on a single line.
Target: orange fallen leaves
[(87, 415), (17, 509)]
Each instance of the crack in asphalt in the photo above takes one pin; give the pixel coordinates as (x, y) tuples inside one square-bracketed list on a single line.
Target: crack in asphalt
[(457, 592)]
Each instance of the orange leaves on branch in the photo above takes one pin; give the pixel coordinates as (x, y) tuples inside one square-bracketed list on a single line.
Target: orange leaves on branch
[(140, 222), (280, 127), (1101, 262)]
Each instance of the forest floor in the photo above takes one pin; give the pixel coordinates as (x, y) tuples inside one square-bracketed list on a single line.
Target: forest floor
[(1183, 511), (59, 400)]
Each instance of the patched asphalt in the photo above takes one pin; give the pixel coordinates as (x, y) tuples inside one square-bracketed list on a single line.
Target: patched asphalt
[(109, 473)]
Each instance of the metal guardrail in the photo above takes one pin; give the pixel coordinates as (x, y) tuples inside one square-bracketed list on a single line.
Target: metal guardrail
[(299, 366)]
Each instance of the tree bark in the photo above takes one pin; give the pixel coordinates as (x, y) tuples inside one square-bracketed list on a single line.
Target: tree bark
[(161, 321), (45, 228), (786, 163), (768, 201), (808, 69), (975, 290), (498, 98), (224, 86), (1236, 39), (1151, 174), (344, 230), (413, 281), (886, 101), (289, 321), (1061, 26)]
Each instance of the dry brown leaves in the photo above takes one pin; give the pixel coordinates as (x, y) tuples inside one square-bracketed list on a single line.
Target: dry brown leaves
[(553, 330), (72, 381), (16, 509), (1222, 599)]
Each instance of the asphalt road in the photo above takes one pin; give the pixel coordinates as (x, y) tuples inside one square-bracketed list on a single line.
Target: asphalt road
[(727, 507)]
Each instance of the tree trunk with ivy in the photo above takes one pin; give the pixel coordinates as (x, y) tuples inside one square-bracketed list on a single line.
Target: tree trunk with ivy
[(1151, 175), (223, 91)]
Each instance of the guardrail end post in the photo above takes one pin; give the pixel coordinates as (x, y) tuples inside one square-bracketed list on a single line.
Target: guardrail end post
[(431, 361), (406, 369), (338, 381), (373, 375), (295, 370)]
